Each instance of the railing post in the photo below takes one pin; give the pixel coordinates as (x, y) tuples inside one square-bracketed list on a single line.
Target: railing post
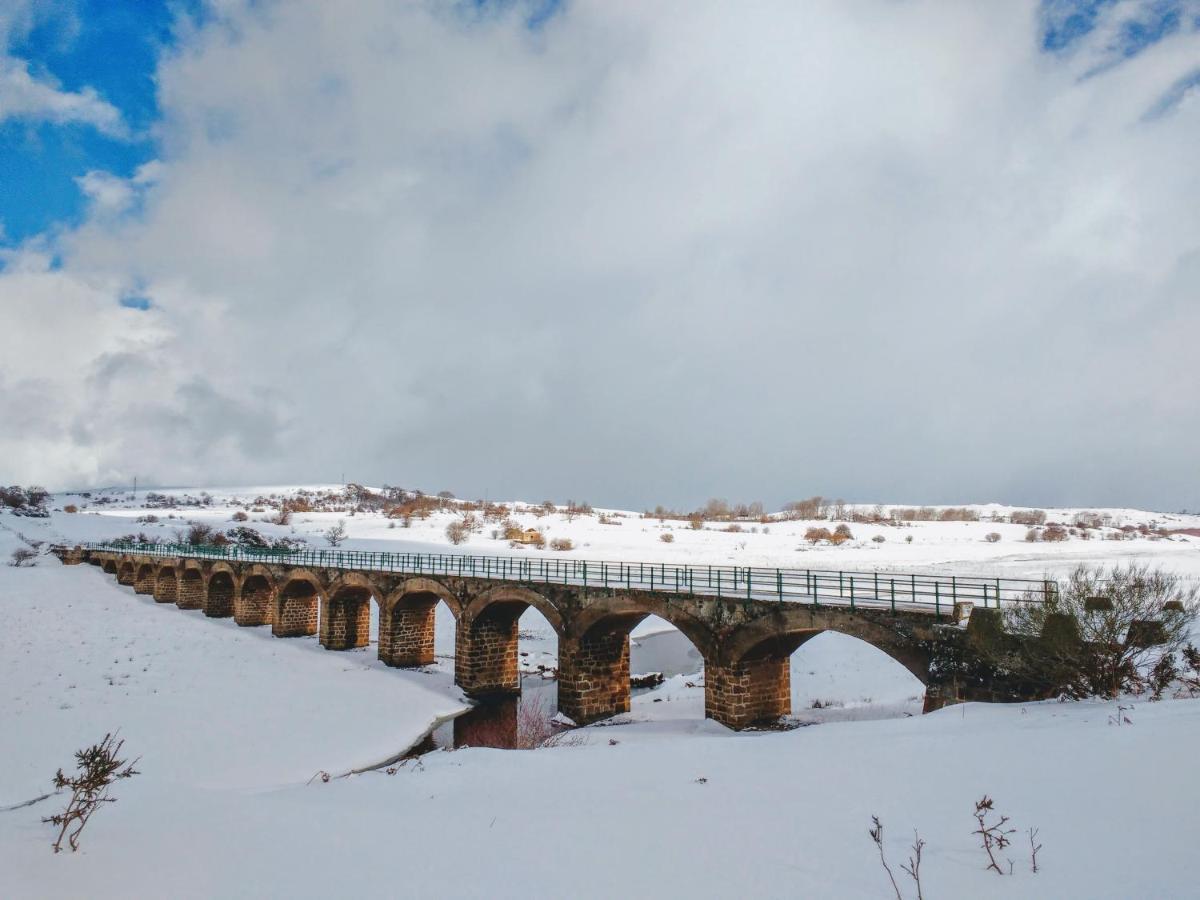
[(852, 592)]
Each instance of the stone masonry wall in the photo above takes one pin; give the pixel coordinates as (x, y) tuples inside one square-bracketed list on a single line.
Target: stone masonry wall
[(593, 677), (143, 581), (346, 621), (748, 692), (166, 586), (295, 616), (219, 602), (406, 632), (254, 603), (191, 590), (485, 659)]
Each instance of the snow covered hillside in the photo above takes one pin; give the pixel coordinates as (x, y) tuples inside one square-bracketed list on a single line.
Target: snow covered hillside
[(234, 727)]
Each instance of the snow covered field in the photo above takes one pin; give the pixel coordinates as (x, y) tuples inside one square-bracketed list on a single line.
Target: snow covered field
[(232, 725)]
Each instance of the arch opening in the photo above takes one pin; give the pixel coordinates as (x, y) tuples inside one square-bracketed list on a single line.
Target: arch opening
[(109, 566), (126, 573), (296, 609), (253, 603), (191, 590), (221, 589), (166, 585), (836, 676)]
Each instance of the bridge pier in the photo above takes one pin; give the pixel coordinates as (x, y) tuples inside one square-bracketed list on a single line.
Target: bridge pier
[(143, 581), (253, 604), (485, 652), (406, 630), (218, 600), (126, 574), (191, 590), (593, 676), (295, 610), (166, 586), (748, 692), (346, 619)]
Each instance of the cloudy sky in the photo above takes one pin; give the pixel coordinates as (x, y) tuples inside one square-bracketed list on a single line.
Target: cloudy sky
[(627, 252)]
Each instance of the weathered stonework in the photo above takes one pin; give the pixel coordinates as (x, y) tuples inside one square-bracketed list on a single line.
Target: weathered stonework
[(406, 631), (218, 602), (191, 590), (745, 644), (166, 585), (254, 602), (345, 621), (295, 610)]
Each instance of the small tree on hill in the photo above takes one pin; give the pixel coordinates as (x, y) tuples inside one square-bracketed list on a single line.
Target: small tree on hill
[(336, 533)]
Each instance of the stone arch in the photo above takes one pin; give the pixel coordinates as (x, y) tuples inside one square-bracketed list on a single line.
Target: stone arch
[(166, 584), (191, 587), (781, 635), (346, 612), (297, 601), (126, 573), (593, 674), (750, 680), (143, 579), (486, 642), (254, 602), (407, 618), (109, 565), (221, 590)]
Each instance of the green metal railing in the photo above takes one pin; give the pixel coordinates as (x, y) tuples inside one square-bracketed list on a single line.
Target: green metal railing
[(937, 593)]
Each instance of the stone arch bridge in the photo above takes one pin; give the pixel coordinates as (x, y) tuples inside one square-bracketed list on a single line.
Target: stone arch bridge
[(745, 628)]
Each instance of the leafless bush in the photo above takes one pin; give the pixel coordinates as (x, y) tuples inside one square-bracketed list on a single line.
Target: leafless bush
[(844, 532), (240, 516), (1028, 517), (70, 508), (457, 533), (198, 534), (667, 537), (1033, 535), (1054, 533), (816, 535), (22, 556), (992, 537), (283, 517), (992, 835), (876, 833), (958, 514), (1115, 626), (879, 539), (97, 768), (562, 544)]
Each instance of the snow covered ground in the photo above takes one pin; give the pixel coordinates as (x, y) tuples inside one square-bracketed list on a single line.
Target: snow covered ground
[(232, 725)]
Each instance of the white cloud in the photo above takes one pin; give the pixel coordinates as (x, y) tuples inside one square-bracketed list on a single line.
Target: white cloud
[(652, 252), (23, 96)]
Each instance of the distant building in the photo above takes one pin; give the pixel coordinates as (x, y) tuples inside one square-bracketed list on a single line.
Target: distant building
[(530, 536)]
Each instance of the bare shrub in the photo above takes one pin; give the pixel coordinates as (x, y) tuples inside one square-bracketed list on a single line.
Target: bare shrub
[(667, 537), (283, 517), (908, 538), (240, 516), (837, 539), (992, 835), (696, 521), (879, 539), (1119, 623), (336, 533), (97, 768), (70, 508), (816, 535), (1054, 533), (958, 514), (992, 537), (844, 532), (876, 833), (457, 533), (1028, 517), (560, 543), (22, 556), (1033, 535), (198, 534)]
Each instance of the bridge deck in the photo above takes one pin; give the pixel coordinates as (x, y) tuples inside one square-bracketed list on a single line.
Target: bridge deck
[(911, 590)]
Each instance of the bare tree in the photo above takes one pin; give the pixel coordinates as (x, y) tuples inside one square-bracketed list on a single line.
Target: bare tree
[(336, 533), (992, 835), (23, 556), (1119, 623)]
